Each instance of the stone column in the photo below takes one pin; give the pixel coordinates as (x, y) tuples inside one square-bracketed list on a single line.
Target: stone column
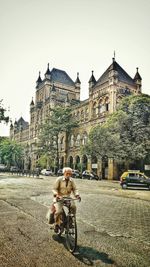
[(65, 149), (99, 167), (89, 164), (110, 169)]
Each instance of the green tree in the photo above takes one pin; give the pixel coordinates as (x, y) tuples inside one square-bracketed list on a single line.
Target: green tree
[(125, 135), (2, 113), (132, 123), (60, 121), (11, 153), (101, 142)]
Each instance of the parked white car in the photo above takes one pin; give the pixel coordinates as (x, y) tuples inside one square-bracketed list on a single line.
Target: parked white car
[(3, 167), (14, 169), (46, 172)]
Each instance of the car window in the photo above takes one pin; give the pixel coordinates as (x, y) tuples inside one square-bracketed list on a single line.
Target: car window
[(132, 175)]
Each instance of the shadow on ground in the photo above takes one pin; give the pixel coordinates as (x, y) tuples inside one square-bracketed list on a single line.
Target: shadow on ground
[(86, 255)]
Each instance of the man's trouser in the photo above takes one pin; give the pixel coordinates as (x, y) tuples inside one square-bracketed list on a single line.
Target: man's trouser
[(58, 211)]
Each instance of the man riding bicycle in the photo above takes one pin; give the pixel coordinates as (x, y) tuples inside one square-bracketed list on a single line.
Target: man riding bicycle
[(63, 187)]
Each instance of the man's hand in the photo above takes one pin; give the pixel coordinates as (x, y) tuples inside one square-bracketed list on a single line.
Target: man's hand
[(58, 197), (78, 197)]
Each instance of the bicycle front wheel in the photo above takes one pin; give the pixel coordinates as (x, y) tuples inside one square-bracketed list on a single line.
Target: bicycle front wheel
[(71, 233)]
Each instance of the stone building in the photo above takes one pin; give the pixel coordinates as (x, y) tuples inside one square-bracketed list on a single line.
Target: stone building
[(57, 88)]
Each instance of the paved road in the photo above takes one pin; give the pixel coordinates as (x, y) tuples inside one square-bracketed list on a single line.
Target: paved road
[(113, 225)]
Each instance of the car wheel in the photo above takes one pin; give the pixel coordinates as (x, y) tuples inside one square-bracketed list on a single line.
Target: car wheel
[(124, 186)]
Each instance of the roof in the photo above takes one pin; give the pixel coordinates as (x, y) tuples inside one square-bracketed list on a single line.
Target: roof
[(77, 80), (137, 76), (122, 74), (61, 76), (48, 70), (22, 122), (92, 79), (39, 80), (32, 103)]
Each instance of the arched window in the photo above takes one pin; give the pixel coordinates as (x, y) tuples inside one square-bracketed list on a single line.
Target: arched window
[(100, 106), (78, 140), (70, 162), (84, 162), (72, 140), (85, 138), (77, 163), (94, 109), (107, 104)]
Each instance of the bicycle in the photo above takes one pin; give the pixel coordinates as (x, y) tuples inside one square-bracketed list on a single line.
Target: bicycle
[(68, 224)]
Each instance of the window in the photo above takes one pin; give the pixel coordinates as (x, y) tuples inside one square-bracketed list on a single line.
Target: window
[(85, 138), (62, 143), (100, 105), (94, 109), (107, 104), (78, 140), (72, 141)]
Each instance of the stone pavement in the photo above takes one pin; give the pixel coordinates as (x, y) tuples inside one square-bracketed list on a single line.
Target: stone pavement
[(113, 225)]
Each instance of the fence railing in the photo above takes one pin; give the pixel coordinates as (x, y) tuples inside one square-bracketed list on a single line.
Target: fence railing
[(22, 173)]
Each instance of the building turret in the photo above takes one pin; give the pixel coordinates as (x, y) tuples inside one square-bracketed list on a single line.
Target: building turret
[(11, 130), (92, 80), (113, 73), (138, 80), (48, 73), (32, 103), (21, 125), (39, 80), (15, 125), (77, 87), (77, 81), (11, 126)]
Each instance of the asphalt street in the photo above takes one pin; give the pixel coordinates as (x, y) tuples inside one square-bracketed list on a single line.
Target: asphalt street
[(113, 225)]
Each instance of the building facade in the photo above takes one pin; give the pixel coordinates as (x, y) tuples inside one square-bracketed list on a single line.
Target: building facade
[(58, 89)]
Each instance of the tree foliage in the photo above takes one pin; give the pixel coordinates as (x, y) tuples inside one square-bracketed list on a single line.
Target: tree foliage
[(101, 143), (11, 153), (126, 134), (60, 121), (2, 113)]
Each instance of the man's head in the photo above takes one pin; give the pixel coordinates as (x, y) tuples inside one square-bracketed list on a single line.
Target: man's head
[(67, 171)]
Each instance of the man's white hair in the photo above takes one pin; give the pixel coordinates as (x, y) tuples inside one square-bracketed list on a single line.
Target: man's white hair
[(67, 169)]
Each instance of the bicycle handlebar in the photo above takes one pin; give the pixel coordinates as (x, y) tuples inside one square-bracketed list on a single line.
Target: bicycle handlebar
[(63, 199)]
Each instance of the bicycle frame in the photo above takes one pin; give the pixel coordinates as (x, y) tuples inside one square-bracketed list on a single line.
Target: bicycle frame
[(69, 224)]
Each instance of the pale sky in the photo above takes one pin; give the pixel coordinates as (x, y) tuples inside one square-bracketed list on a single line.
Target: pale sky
[(72, 35)]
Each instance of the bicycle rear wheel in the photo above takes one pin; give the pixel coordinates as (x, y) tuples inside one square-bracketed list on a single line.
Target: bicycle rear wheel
[(71, 233)]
